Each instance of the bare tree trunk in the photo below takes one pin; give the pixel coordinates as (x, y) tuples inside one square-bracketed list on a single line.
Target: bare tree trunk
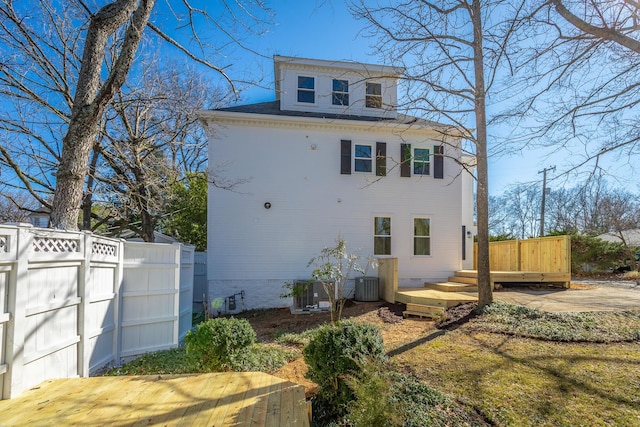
[(485, 293), (91, 99), (147, 226)]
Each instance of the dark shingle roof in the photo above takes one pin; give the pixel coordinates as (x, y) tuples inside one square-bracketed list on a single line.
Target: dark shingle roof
[(273, 108)]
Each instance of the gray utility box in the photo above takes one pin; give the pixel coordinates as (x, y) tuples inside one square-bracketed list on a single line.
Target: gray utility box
[(366, 289), (312, 295)]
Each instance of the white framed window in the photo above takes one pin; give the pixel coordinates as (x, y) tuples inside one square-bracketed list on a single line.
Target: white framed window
[(422, 236), (363, 158), (340, 92), (421, 161), (307, 89), (382, 235), (373, 97)]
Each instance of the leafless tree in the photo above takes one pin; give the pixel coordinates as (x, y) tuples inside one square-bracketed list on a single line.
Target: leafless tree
[(577, 62), (452, 51), (14, 207), (591, 208), (64, 61), (150, 139)]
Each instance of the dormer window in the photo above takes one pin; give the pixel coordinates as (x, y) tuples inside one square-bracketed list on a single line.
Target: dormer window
[(374, 95), (340, 94), (306, 89)]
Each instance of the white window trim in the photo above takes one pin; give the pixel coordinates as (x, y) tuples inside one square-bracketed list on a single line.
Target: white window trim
[(314, 90), (348, 93), (371, 159), (380, 96), (413, 236), (373, 233), (429, 161)]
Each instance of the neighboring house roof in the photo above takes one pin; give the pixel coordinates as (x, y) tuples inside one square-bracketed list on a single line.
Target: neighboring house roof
[(632, 237), (273, 108)]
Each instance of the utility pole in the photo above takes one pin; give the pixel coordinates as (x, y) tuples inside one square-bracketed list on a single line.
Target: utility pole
[(544, 194)]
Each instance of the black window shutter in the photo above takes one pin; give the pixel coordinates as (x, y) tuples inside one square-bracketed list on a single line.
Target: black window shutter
[(405, 160), (381, 158), (438, 161), (345, 157)]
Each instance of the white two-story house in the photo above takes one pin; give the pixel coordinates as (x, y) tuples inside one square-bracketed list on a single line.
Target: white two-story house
[(331, 156)]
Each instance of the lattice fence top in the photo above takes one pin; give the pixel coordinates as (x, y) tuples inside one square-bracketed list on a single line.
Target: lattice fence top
[(4, 243), (99, 248), (55, 245)]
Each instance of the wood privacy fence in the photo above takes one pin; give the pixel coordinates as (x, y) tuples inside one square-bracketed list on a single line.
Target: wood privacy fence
[(545, 254), (73, 302)]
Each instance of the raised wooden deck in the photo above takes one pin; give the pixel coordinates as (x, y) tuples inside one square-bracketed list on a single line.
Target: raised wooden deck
[(462, 287), (216, 399), (514, 277)]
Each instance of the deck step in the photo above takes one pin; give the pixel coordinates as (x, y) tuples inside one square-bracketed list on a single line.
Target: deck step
[(421, 310), (466, 273), (452, 286), (463, 279), (432, 297)]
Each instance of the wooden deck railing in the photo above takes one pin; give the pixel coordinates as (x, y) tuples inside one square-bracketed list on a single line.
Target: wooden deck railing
[(548, 254)]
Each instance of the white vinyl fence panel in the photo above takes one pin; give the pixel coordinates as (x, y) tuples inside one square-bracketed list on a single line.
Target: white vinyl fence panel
[(200, 284), (151, 294), (187, 266), (100, 318), (70, 304)]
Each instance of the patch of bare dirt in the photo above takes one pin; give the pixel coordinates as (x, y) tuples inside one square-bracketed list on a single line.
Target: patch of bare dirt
[(396, 331), (458, 315)]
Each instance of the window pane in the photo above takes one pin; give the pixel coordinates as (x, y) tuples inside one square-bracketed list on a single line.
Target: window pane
[(362, 165), (306, 82), (421, 154), (374, 89), (363, 151), (382, 226), (420, 168), (340, 99), (306, 96), (421, 227), (421, 246), (382, 245), (340, 85)]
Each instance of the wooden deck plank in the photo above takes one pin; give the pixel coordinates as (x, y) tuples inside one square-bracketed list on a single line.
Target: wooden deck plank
[(213, 392), (256, 400), (202, 399), (215, 414), (236, 405), (287, 405), (272, 414)]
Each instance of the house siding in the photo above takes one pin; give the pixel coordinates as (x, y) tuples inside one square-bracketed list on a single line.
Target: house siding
[(290, 68), (297, 170)]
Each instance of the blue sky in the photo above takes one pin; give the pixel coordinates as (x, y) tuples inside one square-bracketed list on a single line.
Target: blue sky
[(326, 30)]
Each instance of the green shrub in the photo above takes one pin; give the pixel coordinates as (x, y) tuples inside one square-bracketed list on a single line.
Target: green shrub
[(599, 254), (518, 320), (290, 339), (265, 358), (220, 344), (334, 353), (385, 397)]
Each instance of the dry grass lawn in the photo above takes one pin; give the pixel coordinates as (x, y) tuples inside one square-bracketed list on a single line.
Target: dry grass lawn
[(514, 381), (524, 382)]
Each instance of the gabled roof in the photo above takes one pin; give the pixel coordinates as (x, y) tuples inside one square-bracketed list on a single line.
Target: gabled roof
[(632, 237)]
